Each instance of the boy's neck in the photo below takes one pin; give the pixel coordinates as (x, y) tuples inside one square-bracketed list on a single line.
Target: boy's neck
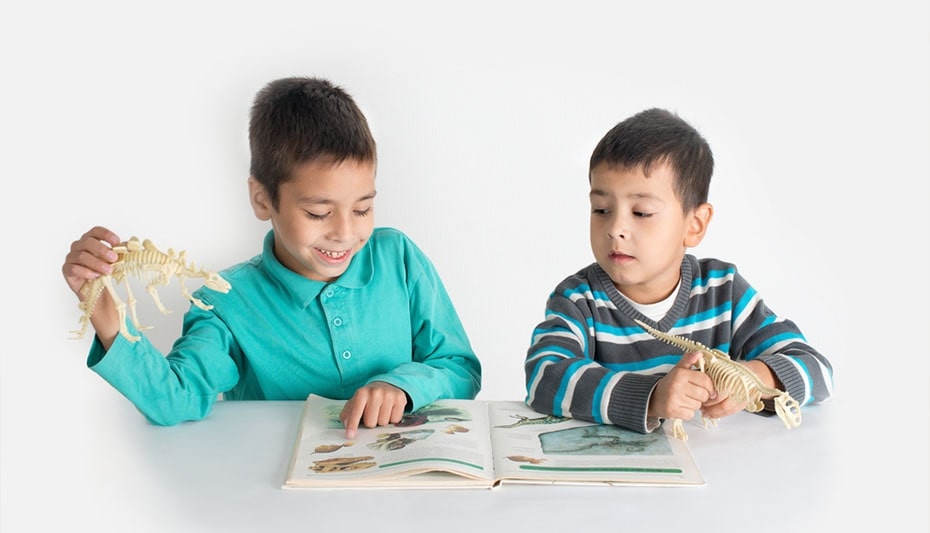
[(658, 309)]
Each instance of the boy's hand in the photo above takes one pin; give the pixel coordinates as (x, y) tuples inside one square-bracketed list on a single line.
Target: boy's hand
[(376, 404), (682, 391), (89, 258), (721, 406)]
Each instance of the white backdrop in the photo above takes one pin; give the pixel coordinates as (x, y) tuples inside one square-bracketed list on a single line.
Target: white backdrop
[(485, 114)]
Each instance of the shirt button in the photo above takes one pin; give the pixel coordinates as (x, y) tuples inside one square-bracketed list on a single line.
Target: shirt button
[(346, 354), (330, 293), (337, 321)]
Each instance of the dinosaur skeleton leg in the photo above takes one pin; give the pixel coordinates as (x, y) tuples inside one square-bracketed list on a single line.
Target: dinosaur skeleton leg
[(152, 289), (196, 301), (158, 278), (84, 321), (131, 301), (120, 308)]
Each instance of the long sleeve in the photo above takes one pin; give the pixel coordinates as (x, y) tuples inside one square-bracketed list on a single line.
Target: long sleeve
[(758, 333), (571, 371), (182, 386), (442, 363)]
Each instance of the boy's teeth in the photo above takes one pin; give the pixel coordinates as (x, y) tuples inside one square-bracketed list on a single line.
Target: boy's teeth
[(333, 254)]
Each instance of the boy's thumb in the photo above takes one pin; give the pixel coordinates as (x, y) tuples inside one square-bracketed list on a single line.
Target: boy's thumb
[(689, 359)]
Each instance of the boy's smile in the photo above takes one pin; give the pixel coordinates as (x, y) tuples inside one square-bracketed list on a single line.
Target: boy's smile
[(639, 233), (325, 215)]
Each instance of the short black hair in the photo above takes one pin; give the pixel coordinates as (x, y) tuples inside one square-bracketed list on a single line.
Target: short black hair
[(654, 137), (300, 119)]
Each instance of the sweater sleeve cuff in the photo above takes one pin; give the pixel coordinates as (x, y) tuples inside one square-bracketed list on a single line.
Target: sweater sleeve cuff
[(630, 401), (787, 374)]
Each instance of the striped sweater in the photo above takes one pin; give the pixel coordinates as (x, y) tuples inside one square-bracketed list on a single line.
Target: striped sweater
[(589, 360)]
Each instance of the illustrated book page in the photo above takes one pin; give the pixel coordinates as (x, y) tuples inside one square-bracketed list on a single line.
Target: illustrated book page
[(480, 444), (444, 444), (531, 447)]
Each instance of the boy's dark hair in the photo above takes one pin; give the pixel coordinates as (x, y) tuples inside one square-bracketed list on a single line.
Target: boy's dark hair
[(298, 120), (656, 136)]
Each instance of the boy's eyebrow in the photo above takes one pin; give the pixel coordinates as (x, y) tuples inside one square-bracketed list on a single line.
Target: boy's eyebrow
[(600, 193), (324, 200)]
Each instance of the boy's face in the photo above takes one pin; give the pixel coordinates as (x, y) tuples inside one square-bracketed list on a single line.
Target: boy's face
[(325, 215), (639, 234)]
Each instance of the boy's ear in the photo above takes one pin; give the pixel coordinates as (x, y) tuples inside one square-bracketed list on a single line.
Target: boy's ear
[(258, 197), (698, 221)]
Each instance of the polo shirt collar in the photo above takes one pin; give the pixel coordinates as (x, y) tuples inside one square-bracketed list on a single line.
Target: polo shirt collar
[(305, 290)]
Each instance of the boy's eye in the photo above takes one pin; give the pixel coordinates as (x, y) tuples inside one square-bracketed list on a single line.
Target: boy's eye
[(314, 216), (363, 212), (641, 214), (599, 211)]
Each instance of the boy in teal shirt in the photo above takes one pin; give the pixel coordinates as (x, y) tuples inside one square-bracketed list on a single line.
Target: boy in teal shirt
[(332, 306)]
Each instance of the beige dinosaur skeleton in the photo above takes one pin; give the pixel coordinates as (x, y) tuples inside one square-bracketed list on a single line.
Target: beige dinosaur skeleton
[(152, 266), (735, 379)]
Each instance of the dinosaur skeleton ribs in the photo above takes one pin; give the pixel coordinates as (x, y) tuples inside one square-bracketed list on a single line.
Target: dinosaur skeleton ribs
[(735, 379), (143, 261)]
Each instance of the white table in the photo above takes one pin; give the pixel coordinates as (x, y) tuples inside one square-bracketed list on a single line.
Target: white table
[(224, 473)]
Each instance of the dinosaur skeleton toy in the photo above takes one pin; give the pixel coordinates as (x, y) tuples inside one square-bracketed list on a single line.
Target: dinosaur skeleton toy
[(143, 261), (732, 378)]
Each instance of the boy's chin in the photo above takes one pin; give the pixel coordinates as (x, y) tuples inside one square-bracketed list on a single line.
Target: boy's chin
[(613, 272), (333, 273)]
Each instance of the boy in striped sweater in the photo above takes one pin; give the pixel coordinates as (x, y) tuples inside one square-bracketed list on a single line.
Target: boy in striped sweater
[(588, 359)]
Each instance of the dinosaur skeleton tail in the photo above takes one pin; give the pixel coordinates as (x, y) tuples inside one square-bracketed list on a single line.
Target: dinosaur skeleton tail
[(91, 292)]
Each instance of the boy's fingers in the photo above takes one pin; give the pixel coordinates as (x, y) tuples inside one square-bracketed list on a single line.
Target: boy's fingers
[(397, 414), (350, 416), (373, 416), (689, 359), (101, 233), (384, 418)]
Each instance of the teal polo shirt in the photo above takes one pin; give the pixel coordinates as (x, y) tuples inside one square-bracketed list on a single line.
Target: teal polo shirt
[(277, 335)]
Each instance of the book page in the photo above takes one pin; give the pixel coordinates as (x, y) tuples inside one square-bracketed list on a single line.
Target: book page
[(531, 447), (445, 443)]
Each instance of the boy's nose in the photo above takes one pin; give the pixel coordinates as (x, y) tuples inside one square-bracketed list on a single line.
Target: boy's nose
[(616, 232), (341, 228), (617, 227)]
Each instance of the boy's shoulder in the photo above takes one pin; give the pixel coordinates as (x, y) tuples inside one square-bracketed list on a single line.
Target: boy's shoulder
[(389, 234), (710, 266), (387, 238), (584, 280), (389, 245), (242, 270)]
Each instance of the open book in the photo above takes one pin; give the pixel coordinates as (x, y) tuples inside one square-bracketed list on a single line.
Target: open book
[(480, 444)]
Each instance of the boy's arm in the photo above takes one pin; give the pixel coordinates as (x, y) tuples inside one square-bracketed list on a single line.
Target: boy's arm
[(181, 386), (564, 377), (443, 363), (763, 338)]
